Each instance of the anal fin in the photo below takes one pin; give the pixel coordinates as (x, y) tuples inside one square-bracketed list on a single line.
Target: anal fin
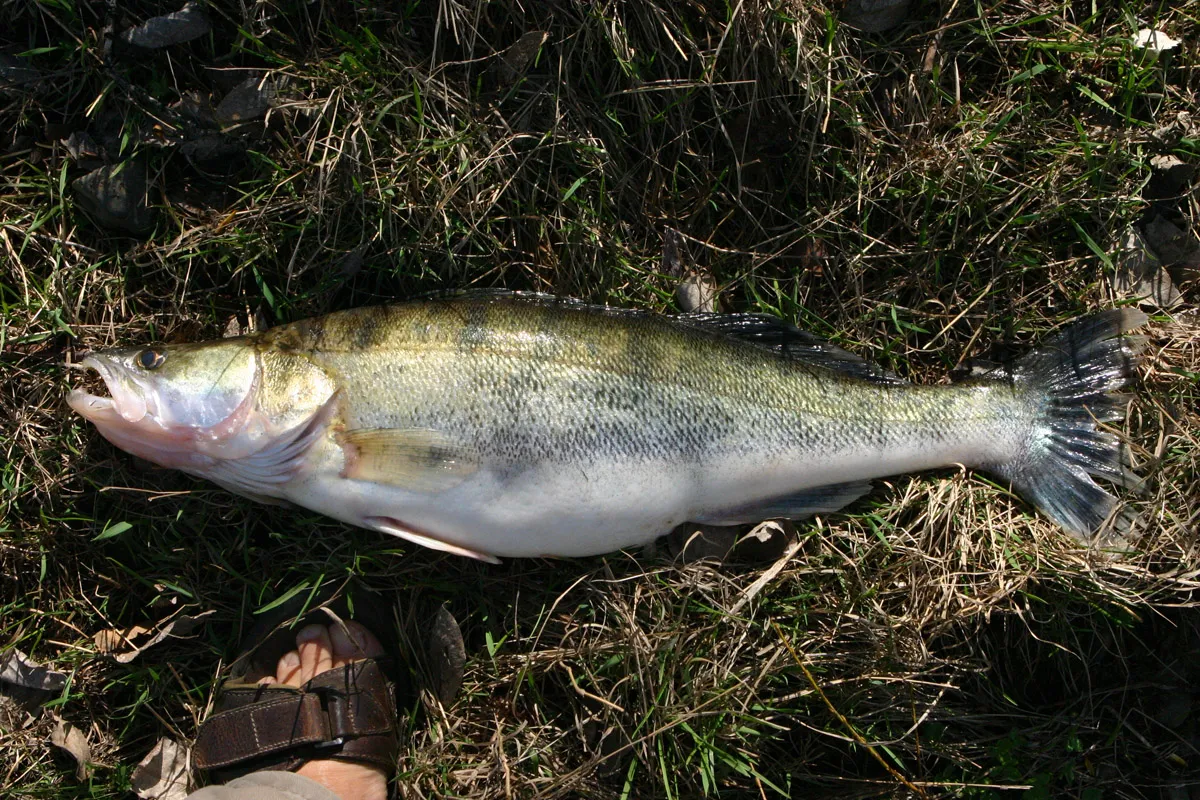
[(805, 503), (396, 528)]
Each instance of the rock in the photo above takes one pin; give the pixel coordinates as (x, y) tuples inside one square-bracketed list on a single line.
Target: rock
[(875, 16), (447, 656), (188, 23), (1139, 273), (249, 100), (116, 197)]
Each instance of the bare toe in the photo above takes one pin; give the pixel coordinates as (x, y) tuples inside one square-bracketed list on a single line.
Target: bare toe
[(288, 670), (316, 651), (352, 642)]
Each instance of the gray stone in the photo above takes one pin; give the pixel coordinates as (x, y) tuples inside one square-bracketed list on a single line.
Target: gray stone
[(188, 23), (116, 197)]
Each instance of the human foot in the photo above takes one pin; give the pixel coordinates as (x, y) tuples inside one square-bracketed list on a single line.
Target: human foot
[(320, 648)]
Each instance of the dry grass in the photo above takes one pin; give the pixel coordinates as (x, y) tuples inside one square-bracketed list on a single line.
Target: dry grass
[(919, 196)]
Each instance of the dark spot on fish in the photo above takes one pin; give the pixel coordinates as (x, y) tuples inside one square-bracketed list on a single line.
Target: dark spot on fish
[(364, 335), (286, 339), (474, 331)]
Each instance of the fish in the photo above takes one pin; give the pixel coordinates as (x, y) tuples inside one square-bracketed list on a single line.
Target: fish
[(513, 425)]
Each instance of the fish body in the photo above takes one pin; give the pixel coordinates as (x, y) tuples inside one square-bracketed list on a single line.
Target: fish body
[(523, 426)]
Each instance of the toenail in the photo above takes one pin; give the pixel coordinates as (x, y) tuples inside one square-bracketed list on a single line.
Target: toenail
[(290, 660)]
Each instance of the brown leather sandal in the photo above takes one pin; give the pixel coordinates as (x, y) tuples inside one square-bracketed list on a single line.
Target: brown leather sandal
[(347, 713)]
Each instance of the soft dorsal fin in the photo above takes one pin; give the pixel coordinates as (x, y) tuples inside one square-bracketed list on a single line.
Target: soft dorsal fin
[(778, 336)]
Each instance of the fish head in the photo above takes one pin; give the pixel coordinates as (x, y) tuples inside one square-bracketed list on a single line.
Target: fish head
[(179, 405)]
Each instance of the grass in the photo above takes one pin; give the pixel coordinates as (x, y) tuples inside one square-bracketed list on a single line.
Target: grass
[(946, 191)]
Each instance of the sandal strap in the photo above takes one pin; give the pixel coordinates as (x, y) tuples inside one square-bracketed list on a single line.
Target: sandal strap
[(344, 713)]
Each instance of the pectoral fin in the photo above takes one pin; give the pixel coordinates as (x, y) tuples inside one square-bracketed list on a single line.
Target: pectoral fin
[(397, 528), (415, 459)]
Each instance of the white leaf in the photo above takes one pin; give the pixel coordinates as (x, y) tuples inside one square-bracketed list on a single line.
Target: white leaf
[(1154, 40)]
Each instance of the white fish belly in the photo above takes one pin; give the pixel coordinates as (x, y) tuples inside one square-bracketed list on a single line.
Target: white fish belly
[(554, 509)]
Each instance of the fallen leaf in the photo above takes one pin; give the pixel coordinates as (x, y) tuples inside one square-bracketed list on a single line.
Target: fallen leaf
[(517, 58), (875, 16), (184, 25), (250, 99), (73, 741), (1139, 273), (117, 196), (1154, 40), (17, 668), (696, 294), (163, 773), (110, 641), (672, 261), (447, 655), (1175, 247)]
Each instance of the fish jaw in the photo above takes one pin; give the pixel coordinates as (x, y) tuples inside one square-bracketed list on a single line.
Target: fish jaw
[(142, 416), (147, 440)]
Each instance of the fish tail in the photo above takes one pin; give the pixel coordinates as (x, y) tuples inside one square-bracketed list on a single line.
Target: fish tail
[(1071, 379)]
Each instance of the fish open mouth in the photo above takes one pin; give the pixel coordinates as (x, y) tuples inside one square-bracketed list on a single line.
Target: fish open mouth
[(102, 393)]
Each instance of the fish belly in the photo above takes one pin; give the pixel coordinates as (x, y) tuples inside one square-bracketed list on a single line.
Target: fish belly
[(580, 509)]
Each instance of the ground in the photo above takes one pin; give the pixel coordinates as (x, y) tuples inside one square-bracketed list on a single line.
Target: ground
[(945, 191)]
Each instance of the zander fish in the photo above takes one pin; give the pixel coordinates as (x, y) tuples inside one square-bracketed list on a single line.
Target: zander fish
[(512, 425)]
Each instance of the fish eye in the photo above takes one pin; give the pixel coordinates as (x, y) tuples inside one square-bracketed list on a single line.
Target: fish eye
[(151, 359)]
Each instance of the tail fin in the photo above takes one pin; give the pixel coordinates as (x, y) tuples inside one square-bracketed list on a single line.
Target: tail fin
[(1074, 373)]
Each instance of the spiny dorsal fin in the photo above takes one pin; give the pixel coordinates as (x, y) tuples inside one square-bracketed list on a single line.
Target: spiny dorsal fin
[(778, 336)]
